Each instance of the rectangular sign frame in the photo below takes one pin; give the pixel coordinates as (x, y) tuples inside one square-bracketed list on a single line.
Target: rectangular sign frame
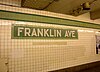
[(20, 31)]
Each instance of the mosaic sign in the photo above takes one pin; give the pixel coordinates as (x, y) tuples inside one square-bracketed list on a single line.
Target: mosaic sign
[(32, 32)]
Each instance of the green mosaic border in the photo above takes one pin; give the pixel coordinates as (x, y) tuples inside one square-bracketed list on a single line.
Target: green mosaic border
[(18, 16)]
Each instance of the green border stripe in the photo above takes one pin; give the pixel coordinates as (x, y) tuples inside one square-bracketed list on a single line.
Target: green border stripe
[(17, 16)]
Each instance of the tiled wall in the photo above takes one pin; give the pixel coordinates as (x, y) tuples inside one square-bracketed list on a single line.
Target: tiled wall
[(31, 55)]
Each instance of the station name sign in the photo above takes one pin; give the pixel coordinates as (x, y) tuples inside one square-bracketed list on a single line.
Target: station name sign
[(35, 32)]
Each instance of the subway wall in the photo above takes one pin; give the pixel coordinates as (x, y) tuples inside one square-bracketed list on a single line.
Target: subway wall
[(43, 55)]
